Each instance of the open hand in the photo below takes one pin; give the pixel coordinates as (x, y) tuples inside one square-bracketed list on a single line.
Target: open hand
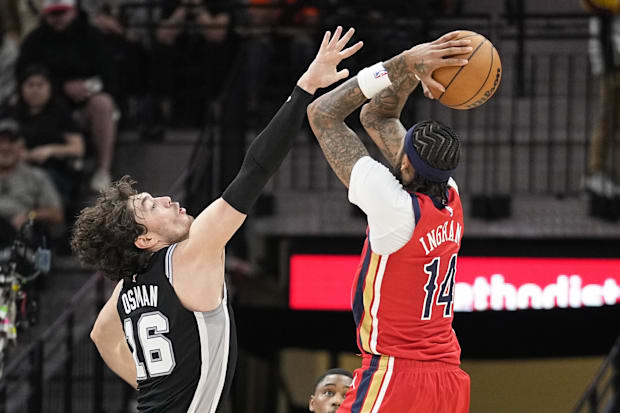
[(40, 154), (425, 58), (323, 70)]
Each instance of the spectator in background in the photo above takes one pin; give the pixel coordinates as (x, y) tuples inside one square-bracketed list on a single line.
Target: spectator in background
[(604, 49), (124, 27), (23, 189), (191, 56), (8, 57), (53, 140), (281, 32), (71, 48), (20, 17), (330, 390)]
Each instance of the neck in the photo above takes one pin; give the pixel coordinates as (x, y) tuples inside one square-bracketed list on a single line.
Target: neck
[(35, 110)]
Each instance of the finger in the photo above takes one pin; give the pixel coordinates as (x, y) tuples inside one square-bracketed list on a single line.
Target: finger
[(452, 62), (433, 84), (342, 74), (335, 37), (456, 43), (350, 51), (446, 37), (325, 41), (345, 39), (452, 51), (427, 91)]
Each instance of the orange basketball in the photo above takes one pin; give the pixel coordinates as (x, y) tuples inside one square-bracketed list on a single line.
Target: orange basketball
[(471, 85)]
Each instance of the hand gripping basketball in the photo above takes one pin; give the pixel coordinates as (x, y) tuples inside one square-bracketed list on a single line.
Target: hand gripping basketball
[(425, 58)]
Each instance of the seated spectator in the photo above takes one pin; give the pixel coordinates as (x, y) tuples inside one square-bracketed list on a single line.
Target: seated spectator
[(71, 48), (53, 140), (23, 189), (330, 390), (125, 31), (192, 46)]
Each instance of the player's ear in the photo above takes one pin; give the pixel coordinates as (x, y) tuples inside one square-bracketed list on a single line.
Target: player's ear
[(144, 242), (406, 168), (311, 403)]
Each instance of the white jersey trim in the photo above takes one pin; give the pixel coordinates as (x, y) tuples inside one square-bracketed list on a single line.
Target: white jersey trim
[(224, 369), (376, 301), (384, 385), (168, 262)]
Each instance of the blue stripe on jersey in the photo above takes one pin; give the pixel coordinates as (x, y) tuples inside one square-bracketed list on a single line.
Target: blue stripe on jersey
[(358, 302), (416, 207), (364, 385)]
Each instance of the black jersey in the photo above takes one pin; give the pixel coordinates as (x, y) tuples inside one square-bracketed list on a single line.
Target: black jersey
[(185, 360)]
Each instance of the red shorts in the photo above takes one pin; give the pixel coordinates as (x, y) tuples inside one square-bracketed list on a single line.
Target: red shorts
[(388, 385)]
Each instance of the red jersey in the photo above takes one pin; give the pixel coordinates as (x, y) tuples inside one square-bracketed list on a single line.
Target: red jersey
[(402, 302)]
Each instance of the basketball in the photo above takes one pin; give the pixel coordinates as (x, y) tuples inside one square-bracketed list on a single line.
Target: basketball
[(471, 85), (601, 6)]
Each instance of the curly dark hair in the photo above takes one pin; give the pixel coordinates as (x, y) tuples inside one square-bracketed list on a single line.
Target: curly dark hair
[(104, 234), (440, 147)]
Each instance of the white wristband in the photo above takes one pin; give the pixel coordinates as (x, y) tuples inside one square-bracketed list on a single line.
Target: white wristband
[(373, 79)]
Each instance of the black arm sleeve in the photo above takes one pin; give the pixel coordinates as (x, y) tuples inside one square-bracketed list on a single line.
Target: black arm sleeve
[(267, 151)]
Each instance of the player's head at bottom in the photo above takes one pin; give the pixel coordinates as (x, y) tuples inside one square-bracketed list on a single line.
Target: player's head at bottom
[(428, 157), (122, 230), (329, 391)]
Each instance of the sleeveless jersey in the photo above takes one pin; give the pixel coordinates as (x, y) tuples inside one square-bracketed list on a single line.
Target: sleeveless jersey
[(402, 302), (185, 360)]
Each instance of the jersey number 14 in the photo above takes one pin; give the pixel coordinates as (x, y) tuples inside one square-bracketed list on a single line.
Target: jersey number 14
[(446, 290)]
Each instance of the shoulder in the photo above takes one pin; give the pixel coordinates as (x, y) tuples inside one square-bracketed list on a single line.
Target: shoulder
[(36, 177)]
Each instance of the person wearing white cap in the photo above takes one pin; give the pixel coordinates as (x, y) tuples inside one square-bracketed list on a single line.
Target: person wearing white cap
[(71, 49)]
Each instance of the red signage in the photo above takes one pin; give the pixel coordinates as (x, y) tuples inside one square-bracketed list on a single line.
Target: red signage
[(323, 282)]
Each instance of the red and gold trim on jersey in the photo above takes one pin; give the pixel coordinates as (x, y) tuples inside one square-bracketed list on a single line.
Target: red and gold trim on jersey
[(368, 293), (373, 385)]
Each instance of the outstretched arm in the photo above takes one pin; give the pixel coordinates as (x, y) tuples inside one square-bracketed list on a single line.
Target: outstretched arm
[(216, 224), (381, 116)]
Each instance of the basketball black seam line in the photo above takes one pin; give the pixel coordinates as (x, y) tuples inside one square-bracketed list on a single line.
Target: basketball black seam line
[(461, 68), (483, 83)]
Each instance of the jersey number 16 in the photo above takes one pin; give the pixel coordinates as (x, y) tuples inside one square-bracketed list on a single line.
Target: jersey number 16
[(157, 349)]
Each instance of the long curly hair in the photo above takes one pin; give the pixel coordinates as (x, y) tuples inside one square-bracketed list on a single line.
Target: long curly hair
[(440, 147), (104, 234)]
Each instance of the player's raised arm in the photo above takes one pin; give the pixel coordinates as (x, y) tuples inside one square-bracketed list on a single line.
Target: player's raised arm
[(341, 146), (381, 116), (216, 224)]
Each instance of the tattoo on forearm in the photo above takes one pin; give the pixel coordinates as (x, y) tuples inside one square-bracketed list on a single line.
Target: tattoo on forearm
[(380, 116), (341, 146), (342, 149)]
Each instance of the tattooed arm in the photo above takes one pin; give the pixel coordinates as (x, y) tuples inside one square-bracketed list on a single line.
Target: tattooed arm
[(380, 117), (341, 146)]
